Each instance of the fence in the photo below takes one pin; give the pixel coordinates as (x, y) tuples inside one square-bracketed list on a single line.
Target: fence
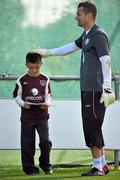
[(116, 79)]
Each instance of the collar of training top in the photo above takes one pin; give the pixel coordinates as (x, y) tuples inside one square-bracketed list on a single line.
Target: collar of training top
[(90, 30)]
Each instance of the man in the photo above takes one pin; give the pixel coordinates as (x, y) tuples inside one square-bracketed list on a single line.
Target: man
[(96, 92), (32, 93)]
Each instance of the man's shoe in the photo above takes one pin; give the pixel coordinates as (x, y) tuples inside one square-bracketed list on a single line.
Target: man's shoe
[(47, 171), (32, 171), (94, 172), (106, 169)]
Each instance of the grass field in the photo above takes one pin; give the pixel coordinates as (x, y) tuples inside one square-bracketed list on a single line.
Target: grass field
[(10, 166)]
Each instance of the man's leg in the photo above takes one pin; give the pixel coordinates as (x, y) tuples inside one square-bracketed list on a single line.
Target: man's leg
[(103, 158), (28, 148), (100, 112), (45, 146), (99, 159), (104, 164), (96, 154), (93, 115)]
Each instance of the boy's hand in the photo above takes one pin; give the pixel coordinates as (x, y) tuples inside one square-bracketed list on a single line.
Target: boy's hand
[(26, 105), (44, 106)]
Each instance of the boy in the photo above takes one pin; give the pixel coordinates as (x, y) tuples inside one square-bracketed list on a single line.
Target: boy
[(32, 93)]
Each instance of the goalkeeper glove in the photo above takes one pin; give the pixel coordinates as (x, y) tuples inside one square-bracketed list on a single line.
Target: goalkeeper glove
[(108, 96)]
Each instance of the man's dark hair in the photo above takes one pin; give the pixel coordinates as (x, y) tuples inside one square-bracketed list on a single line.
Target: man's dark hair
[(89, 7), (32, 57)]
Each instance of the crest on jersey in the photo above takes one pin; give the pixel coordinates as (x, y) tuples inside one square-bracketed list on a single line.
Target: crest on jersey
[(34, 91), (87, 41), (42, 82)]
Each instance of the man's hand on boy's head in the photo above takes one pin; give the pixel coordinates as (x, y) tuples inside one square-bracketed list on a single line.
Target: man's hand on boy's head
[(43, 52), (26, 105)]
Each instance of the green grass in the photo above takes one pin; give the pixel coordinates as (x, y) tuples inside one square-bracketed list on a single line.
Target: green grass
[(10, 166), (16, 173)]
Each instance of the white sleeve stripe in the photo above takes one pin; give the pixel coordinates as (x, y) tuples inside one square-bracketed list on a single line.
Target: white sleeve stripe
[(106, 68), (102, 58), (20, 87), (19, 101), (46, 88), (47, 94)]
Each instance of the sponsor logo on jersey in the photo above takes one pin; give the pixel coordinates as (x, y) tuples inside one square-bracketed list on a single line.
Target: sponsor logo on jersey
[(33, 98), (43, 82), (34, 91)]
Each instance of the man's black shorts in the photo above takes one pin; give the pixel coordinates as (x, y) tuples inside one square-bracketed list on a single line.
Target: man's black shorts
[(93, 115)]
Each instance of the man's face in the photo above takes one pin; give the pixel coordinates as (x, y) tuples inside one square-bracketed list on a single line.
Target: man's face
[(82, 17), (33, 68)]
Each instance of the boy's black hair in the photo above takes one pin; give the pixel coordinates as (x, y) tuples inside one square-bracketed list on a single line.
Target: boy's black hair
[(33, 57), (89, 7)]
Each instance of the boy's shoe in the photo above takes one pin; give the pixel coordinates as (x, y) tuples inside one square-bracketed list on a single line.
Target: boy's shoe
[(32, 171), (106, 169), (94, 172)]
